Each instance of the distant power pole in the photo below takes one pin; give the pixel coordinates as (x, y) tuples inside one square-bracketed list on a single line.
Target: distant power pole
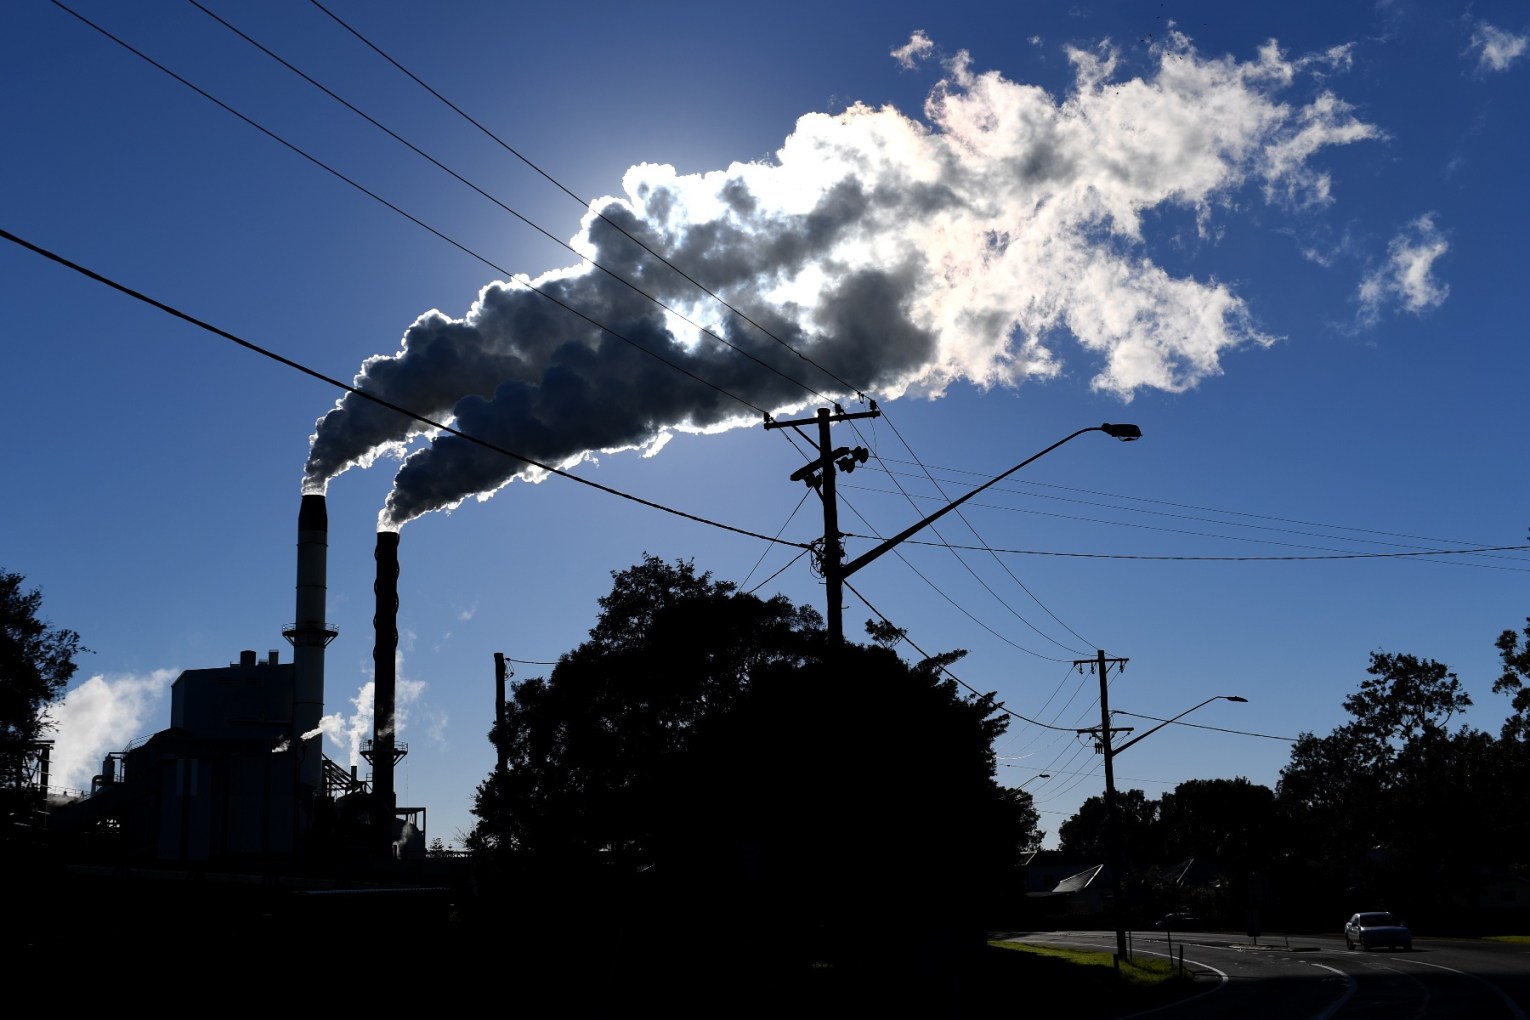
[(1103, 741), (501, 674), (819, 475)]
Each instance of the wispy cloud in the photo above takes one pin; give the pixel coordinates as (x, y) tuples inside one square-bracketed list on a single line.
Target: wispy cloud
[(918, 48), (1407, 277), (1495, 48), (99, 716)]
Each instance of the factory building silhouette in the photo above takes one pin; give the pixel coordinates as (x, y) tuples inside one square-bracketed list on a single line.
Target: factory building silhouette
[(239, 777)]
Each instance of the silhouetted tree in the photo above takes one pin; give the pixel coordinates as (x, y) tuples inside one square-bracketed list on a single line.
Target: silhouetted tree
[(1515, 682), (1393, 806), (590, 748), (36, 664), (1227, 828), (1083, 836), (707, 758), (1407, 699), (1225, 819)]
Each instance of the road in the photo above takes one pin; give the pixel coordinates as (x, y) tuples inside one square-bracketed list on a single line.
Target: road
[(1316, 978)]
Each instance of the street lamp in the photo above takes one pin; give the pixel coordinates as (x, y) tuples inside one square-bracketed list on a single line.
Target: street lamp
[(1112, 822), (835, 572), (1177, 718)]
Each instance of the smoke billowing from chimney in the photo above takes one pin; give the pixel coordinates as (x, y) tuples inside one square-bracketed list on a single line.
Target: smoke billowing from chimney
[(899, 255)]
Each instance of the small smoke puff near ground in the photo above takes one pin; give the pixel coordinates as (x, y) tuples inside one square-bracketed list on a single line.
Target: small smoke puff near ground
[(878, 254)]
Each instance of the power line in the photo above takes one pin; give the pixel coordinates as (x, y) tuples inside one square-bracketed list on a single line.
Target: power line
[(288, 362), (1421, 554), (1200, 726), (848, 387), (957, 606), (990, 696), (513, 212), (789, 518), (415, 220), (1202, 509), (972, 528)]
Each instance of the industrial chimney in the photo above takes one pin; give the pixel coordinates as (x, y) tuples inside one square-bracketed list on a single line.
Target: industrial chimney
[(310, 635), (384, 681)]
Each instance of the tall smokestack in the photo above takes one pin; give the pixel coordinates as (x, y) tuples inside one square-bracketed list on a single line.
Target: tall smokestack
[(310, 635), (385, 623)]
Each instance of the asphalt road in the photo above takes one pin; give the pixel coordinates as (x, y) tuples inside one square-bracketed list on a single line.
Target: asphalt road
[(1316, 978)]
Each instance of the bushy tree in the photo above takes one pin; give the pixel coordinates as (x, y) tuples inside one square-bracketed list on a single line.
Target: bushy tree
[(1084, 837), (711, 754), (1229, 820), (1515, 682), (36, 664), (592, 748), (1394, 806)]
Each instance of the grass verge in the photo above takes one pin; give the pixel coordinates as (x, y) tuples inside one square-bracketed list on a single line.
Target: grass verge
[(1088, 981)]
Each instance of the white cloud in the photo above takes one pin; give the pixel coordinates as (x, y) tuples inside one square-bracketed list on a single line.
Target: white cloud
[(1495, 48), (1407, 276), (917, 48), (101, 715)]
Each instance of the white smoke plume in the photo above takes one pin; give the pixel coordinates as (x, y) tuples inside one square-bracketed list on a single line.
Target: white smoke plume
[(349, 733), (899, 254), (99, 716)]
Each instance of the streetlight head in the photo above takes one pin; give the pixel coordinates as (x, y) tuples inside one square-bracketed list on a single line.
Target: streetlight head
[(1234, 697), (1125, 433)]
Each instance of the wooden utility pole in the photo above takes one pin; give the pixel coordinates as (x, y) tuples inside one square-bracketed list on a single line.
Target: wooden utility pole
[(819, 474), (501, 674), (1104, 736)]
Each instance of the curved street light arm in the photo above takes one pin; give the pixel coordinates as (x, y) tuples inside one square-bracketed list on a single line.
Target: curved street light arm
[(1126, 433), (1177, 718)]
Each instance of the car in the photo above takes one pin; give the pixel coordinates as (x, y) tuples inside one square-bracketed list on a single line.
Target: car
[(1370, 929), (1177, 922)]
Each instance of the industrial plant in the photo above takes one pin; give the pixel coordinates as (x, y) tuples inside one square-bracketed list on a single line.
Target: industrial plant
[(237, 792)]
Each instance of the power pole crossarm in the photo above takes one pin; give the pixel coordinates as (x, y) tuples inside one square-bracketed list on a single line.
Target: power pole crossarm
[(835, 572), (820, 474)]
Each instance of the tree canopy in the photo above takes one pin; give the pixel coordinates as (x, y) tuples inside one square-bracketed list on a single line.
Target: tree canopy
[(36, 663), (713, 743), (1401, 804), (1396, 806), (1515, 682)]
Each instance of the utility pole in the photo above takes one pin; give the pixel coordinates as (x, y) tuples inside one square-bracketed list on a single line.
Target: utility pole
[(501, 674), (819, 474), (1103, 741), (501, 768)]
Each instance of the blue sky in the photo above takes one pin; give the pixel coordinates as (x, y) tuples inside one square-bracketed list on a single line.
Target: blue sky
[(1286, 240)]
